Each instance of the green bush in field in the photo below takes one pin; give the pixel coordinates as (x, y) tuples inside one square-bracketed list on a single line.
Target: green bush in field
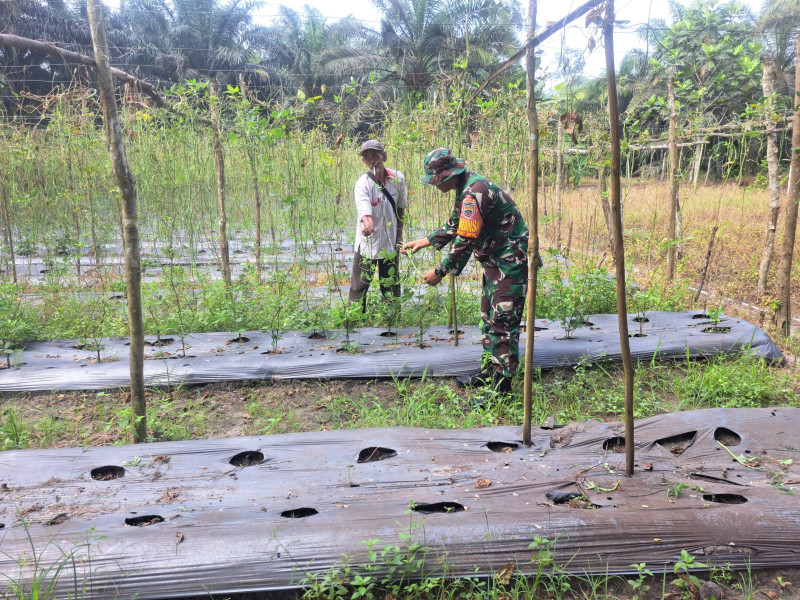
[(569, 294), (15, 323)]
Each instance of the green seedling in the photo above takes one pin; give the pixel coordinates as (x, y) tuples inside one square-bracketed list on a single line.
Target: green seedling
[(593, 486)]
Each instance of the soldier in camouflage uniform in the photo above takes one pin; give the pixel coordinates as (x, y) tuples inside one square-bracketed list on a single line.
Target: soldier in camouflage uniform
[(487, 223)]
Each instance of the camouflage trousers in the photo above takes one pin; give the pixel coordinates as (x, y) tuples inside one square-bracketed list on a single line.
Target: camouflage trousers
[(504, 288)]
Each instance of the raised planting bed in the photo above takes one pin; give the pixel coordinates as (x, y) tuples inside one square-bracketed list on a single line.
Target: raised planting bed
[(189, 519), (207, 358)]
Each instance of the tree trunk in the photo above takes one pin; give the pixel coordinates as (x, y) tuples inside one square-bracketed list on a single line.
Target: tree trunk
[(76, 208), (219, 162), (673, 178), (533, 221), (784, 316), (8, 233), (768, 84), (698, 159), (559, 163), (126, 184), (257, 196), (616, 196)]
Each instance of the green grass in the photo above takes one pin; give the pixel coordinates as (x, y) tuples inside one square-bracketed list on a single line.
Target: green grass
[(573, 394)]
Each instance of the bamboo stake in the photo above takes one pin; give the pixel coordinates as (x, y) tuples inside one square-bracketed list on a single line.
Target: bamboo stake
[(533, 224), (616, 194), (705, 268), (127, 188)]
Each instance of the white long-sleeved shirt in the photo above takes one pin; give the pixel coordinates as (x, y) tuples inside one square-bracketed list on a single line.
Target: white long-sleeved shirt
[(371, 201)]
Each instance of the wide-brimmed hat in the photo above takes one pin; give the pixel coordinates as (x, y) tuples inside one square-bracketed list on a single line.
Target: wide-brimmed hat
[(441, 165), (372, 145)]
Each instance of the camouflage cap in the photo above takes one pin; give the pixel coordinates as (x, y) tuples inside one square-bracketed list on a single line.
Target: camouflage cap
[(441, 165)]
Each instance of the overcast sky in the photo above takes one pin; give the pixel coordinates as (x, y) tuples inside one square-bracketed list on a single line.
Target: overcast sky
[(635, 12)]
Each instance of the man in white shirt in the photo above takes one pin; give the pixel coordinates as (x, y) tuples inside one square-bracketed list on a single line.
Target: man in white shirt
[(381, 202)]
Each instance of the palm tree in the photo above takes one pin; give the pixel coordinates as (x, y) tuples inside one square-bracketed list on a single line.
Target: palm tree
[(194, 39), (779, 24), (26, 70), (420, 40)]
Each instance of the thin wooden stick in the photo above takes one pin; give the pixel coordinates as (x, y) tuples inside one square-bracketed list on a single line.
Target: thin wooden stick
[(616, 211), (708, 261)]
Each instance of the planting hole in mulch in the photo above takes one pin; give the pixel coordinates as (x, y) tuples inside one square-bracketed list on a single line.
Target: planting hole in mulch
[(587, 324), (460, 332), (437, 507), (727, 437), (374, 454), (637, 335), (299, 513), (701, 316), (641, 320), (716, 330), (504, 447), (58, 519), (2, 525), (317, 335), (248, 458), (107, 473), (725, 498), (615, 444), (387, 334), (570, 500), (91, 347), (563, 497), (238, 340), (677, 444), (143, 521), (156, 343), (523, 327)]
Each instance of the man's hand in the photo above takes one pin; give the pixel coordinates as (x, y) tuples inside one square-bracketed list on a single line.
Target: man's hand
[(431, 278), (367, 228), (415, 246)]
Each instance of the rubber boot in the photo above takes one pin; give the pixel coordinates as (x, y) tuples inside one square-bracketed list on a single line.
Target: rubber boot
[(481, 378), (500, 389)]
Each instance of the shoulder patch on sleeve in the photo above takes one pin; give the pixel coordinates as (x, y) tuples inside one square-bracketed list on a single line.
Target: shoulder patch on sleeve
[(470, 222)]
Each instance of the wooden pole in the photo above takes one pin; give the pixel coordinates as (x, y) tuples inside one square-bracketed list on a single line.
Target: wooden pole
[(126, 183), (673, 178), (533, 223), (784, 316), (559, 162), (616, 211)]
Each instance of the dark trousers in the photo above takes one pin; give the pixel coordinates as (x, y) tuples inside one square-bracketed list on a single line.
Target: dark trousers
[(364, 270)]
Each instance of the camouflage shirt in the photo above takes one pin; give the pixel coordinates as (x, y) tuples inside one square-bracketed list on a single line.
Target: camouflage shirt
[(485, 222)]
